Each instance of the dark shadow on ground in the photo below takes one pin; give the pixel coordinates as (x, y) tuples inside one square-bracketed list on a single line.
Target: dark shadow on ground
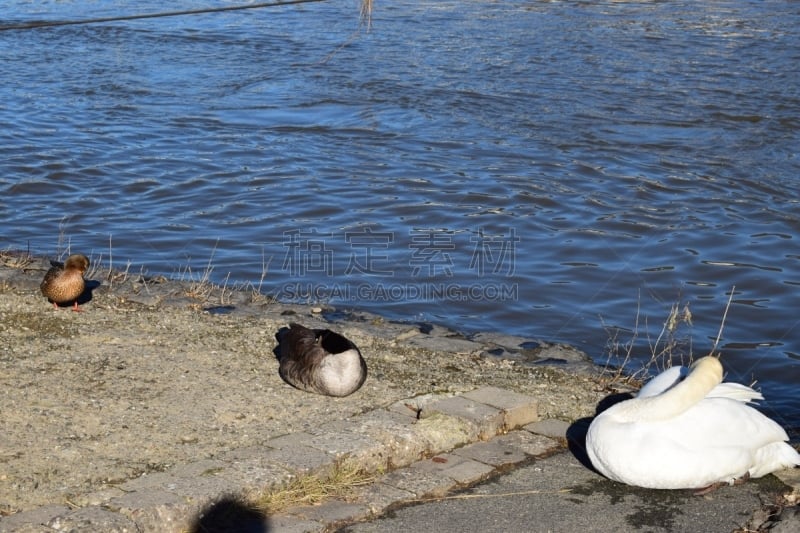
[(576, 433), (86, 295), (230, 515)]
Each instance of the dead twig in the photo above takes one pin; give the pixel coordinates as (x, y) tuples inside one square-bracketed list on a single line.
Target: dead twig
[(722, 324)]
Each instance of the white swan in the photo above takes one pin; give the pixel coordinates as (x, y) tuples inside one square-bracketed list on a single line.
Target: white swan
[(687, 430)]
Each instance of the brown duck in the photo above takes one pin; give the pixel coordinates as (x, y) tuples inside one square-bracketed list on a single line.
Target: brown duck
[(319, 361), (64, 283)]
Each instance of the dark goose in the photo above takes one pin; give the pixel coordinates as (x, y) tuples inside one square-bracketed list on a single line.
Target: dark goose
[(319, 361)]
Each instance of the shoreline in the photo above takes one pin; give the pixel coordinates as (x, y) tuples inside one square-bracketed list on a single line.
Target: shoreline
[(155, 373), (245, 299)]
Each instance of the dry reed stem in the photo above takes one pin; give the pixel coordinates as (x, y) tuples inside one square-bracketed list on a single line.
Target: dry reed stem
[(722, 323), (665, 350), (365, 14), (483, 496)]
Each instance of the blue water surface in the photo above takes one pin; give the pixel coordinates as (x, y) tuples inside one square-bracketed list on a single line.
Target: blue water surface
[(566, 171)]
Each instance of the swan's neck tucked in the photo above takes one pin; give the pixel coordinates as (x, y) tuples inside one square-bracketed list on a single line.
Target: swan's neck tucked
[(705, 374)]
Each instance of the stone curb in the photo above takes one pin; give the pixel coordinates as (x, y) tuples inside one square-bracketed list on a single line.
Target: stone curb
[(419, 448)]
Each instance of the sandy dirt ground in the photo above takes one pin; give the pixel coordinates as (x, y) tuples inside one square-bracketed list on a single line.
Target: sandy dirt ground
[(154, 373)]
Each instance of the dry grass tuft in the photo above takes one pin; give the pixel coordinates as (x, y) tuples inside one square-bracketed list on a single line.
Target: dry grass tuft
[(313, 489), (200, 285), (16, 258), (256, 291), (669, 347)]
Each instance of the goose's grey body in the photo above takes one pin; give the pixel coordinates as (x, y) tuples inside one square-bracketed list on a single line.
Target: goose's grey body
[(320, 361)]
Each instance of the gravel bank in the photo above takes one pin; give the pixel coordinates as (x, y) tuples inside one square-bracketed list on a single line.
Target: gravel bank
[(156, 373)]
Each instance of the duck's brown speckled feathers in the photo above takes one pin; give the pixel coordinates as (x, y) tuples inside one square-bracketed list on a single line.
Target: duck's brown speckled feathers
[(320, 361), (64, 283)]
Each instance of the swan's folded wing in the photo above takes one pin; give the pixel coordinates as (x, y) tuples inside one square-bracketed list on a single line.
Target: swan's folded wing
[(735, 391), (725, 422)]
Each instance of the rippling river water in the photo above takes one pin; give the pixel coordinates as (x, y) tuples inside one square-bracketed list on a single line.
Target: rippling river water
[(557, 170)]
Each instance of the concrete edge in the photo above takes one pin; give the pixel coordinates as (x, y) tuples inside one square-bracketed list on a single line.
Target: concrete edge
[(417, 448)]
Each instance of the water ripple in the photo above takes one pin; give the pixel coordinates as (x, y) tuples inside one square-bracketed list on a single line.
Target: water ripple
[(635, 154)]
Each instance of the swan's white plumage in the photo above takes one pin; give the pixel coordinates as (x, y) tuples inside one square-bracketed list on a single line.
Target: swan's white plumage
[(685, 429)]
